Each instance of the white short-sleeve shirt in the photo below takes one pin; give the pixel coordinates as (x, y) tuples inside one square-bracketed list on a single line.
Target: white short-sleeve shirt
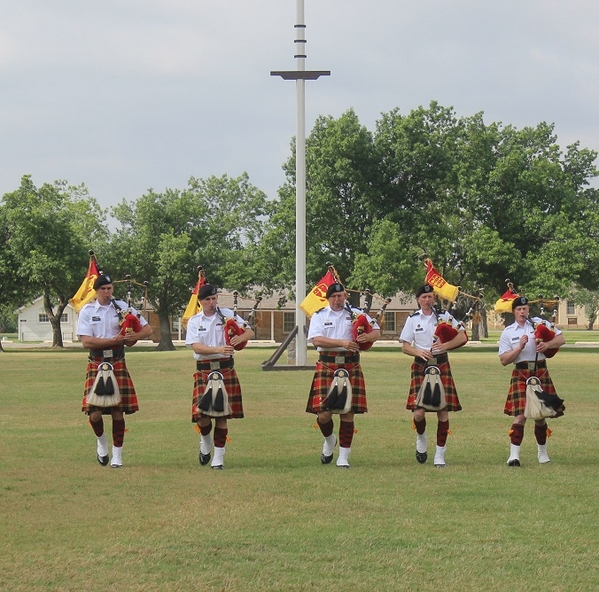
[(419, 330), (333, 325), (210, 331), (510, 339), (102, 322)]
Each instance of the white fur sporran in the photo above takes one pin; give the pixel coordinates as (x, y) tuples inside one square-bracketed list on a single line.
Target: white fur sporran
[(339, 397), (431, 395), (105, 390), (215, 400), (535, 407)]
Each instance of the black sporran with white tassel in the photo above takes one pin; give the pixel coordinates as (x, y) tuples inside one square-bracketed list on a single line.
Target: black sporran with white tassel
[(339, 397), (215, 400), (105, 390), (431, 395)]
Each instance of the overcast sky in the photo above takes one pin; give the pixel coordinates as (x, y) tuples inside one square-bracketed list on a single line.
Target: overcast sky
[(126, 95)]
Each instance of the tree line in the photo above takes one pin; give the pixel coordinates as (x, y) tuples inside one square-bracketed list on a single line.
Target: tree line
[(485, 202)]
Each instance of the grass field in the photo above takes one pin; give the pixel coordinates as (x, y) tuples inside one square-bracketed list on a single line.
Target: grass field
[(275, 518)]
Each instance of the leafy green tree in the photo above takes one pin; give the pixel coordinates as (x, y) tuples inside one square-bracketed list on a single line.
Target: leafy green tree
[(342, 169), (163, 237), (485, 202), (47, 233), (590, 300)]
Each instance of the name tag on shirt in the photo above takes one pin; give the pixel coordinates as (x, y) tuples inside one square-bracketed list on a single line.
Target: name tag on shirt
[(96, 319), (419, 329), (201, 328), (328, 324)]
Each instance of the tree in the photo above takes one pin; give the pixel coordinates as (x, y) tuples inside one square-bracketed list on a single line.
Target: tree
[(48, 232), (341, 177), (163, 237), (590, 300), (485, 202), (488, 202)]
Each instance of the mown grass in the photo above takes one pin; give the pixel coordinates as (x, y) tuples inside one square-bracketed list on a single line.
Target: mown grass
[(276, 519)]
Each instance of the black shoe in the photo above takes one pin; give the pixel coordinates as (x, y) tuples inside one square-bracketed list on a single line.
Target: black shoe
[(325, 460), (103, 460), (421, 457), (513, 463), (204, 458), (218, 467)]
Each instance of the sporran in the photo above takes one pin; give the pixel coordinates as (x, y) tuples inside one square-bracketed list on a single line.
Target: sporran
[(215, 400), (431, 395), (339, 397), (105, 390), (540, 404)]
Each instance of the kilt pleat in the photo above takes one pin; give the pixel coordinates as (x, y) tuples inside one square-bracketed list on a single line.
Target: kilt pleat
[(323, 376), (128, 402), (231, 382), (516, 398), (417, 377)]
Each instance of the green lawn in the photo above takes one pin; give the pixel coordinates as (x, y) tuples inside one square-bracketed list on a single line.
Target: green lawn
[(275, 518)]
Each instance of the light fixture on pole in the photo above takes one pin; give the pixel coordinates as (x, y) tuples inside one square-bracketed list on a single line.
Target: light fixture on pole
[(300, 76)]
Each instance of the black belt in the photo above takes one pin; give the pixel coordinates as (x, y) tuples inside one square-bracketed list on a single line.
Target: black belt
[(214, 364), (115, 354), (442, 359), (340, 358), (531, 365)]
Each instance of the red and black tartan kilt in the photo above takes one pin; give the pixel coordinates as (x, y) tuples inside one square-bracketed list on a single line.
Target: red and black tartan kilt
[(323, 376), (417, 377), (128, 402), (231, 382), (516, 398)]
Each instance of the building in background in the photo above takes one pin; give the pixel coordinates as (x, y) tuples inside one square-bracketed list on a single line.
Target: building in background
[(275, 319)]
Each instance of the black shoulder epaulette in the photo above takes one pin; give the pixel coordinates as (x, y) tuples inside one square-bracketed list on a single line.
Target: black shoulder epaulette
[(415, 314), (320, 310)]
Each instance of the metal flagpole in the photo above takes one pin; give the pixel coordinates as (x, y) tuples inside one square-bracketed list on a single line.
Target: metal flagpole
[(300, 75)]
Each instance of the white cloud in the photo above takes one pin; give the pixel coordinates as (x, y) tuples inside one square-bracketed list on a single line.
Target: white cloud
[(129, 94)]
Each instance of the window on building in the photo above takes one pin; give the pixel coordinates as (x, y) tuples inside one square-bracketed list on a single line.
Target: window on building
[(288, 322), (44, 318), (570, 307), (389, 326)]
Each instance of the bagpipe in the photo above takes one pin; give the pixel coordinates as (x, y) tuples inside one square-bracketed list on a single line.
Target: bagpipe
[(129, 322), (360, 321), (447, 325), (543, 332), (231, 328)]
